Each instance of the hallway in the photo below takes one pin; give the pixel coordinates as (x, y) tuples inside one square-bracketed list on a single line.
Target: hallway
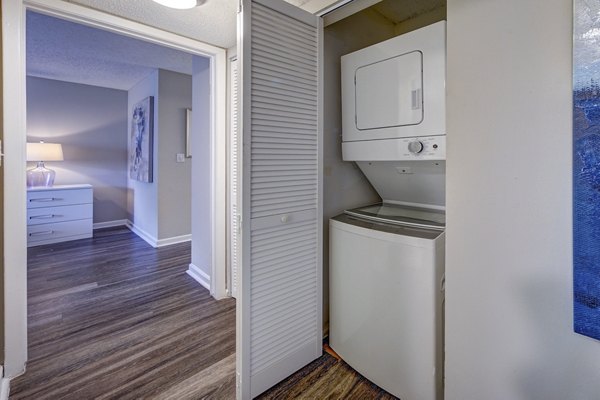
[(111, 317)]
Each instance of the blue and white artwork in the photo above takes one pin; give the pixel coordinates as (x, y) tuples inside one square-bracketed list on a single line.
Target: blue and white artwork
[(586, 167), (140, 147)]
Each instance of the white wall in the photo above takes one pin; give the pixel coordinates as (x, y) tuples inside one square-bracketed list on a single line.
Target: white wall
[(175, 179), (201, 166), (14, 235), (509, 270), (143, 196), (91, 124)]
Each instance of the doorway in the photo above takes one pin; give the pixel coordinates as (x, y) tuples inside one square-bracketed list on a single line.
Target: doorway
[(14, 122)]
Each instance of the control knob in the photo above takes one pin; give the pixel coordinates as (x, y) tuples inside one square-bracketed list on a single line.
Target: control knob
[(415, 147)]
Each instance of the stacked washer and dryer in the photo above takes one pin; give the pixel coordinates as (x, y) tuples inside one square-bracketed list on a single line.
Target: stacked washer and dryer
[(387, 260)]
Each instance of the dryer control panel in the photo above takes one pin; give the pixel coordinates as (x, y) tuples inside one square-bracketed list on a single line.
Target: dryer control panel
[(427, 148), (412, 148)]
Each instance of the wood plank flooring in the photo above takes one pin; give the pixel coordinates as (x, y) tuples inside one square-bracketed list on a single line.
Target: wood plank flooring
[(113, 318), (326, 378)]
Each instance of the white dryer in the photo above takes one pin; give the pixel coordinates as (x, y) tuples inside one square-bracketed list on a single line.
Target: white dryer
[(394, 98), (394, 116)]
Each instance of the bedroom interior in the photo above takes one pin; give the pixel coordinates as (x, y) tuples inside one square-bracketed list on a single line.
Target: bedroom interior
[(82, 85)]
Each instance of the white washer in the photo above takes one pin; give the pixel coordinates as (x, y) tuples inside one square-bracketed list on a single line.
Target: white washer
[(386, 274)]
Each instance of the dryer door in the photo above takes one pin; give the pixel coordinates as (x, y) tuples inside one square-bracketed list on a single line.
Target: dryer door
[(397, 84), (396, 89)]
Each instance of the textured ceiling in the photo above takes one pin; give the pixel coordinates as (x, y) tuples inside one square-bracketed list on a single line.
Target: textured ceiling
[(61, 50), (214, 22), (401, 10)]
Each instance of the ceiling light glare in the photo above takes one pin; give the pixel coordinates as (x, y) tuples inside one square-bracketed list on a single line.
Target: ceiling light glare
[(180, 4)]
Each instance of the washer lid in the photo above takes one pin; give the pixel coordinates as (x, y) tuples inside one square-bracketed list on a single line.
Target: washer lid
[(401, 215)]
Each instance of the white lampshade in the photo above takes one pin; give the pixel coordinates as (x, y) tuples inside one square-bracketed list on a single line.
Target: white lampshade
[(180, 4), (44, 152)]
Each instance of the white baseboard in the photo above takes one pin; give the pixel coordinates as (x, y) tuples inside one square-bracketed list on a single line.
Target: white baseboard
[(4, 388), (154, 242), (173, 240), (151, 240), (4, 385), (110, 224), (200, 276)]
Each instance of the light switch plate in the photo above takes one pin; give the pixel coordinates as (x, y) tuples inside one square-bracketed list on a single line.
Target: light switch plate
[(180, 157)]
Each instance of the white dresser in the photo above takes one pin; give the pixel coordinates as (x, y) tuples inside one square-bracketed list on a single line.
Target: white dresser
[(59, 213)]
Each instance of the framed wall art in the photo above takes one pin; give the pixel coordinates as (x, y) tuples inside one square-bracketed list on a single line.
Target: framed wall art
[(141, 140)]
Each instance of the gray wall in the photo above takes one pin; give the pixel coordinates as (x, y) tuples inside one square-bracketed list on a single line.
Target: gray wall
[(175, 179), (90, 122), (202, 169), (143, 196), (162, 208), (509, 301), (344, 185)]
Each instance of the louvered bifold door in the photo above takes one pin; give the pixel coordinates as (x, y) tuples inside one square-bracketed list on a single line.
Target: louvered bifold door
[(281, 285)]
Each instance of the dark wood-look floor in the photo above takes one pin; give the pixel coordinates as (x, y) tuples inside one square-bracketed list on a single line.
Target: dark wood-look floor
[(326, 378), (113, 318)]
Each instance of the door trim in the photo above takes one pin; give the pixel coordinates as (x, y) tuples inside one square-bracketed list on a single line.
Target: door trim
[(14, 95)]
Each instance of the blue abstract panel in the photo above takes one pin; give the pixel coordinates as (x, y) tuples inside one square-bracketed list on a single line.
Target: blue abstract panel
[(586, 167)]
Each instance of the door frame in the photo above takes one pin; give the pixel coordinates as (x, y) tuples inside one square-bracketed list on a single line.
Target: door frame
[(231, 224), (14, 126)]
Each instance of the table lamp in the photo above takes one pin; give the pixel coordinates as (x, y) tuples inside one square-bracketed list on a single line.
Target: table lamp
[(40, 152)]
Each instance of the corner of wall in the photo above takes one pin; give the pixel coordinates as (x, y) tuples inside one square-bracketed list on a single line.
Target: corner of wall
[(430, 17), (199, 276), (142, 197), (4, 385), (201, 165), (174, 178)]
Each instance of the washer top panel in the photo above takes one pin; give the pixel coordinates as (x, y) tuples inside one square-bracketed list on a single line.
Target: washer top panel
[(401, 215)]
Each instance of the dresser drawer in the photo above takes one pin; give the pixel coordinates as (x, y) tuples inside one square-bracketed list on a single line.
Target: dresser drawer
[(58, 232), (46, 215), (53, 198)]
